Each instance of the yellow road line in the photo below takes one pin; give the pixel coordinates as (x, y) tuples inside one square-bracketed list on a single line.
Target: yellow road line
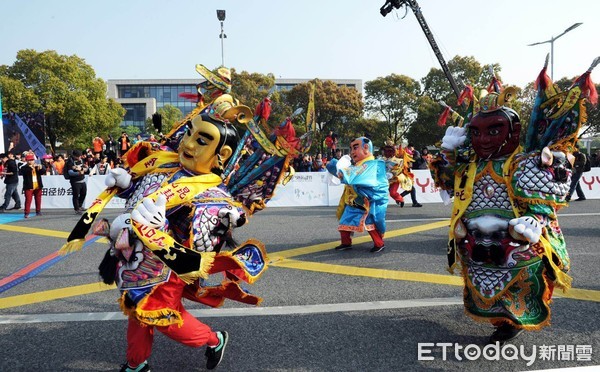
[(53, 294), (573, 293), (361, 239), (579, 294), (35, 231), (370, 273), (280, 259), (42, 232)]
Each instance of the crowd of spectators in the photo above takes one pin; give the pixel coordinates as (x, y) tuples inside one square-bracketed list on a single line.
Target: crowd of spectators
[(98, 159), (104, 155)]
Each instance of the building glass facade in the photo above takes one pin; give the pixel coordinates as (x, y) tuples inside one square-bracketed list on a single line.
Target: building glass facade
[(141, 98), (167, 94), (135, 114), (164, 95)]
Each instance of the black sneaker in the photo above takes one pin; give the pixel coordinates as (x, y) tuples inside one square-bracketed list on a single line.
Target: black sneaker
[(15, 208), (343, 247), (144, 367), (417, 205), (377, 249), (214, 355), (504, 333)]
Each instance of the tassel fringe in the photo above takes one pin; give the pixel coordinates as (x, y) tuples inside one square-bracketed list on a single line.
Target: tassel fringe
[(206, 263), (72, 246)]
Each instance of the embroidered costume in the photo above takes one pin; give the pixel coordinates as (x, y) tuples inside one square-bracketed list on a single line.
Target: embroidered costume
[(182, 202), (180, 216), (504, 231), (363, 204)]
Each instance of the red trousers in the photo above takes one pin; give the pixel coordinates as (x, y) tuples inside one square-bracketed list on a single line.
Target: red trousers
[(30, 194), (375, 235), (394, 192), (192, 333)]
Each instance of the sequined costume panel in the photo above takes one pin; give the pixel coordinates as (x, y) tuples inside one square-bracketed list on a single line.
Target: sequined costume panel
[(502, 275)]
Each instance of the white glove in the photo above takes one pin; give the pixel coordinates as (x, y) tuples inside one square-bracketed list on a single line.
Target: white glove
[(344, 162), (455, 136), (118, 177), (446, 197), (528, 227), (150, 213)]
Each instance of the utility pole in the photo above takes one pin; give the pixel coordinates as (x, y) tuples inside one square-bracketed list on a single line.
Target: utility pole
[(222, 36), (551, 41)]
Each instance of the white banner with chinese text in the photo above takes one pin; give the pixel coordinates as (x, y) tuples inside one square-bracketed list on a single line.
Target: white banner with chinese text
[(306, 189)]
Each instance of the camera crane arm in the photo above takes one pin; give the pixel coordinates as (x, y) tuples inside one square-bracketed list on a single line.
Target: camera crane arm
[(414, 6)]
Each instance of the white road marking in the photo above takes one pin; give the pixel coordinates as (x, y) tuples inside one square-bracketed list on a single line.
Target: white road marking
[(246, 311), (561, 215)]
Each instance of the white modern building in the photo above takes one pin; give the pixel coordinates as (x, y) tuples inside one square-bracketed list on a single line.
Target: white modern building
[(142, 97)]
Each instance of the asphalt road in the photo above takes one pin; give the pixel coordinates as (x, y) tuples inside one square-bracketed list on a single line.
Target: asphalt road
[(322, 311)]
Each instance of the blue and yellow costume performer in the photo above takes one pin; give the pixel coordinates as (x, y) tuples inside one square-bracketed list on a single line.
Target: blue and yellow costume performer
[(363, 204)]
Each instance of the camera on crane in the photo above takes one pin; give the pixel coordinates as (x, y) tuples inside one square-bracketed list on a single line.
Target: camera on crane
[(389, 5)]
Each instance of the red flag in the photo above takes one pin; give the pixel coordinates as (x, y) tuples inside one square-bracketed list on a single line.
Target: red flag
[(194, 97), (467, 93), (543, 80), (588, 88), (444, 116), (263, 109)]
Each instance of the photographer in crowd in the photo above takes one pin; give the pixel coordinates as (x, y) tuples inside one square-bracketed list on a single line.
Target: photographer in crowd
[(76, 170), (11, 179)]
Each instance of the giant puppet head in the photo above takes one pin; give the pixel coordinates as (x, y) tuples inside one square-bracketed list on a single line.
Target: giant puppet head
[(361, 148), (494, 129), (210, 138), (388, 150)]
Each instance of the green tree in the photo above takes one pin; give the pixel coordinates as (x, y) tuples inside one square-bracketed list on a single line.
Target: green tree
[(252, 88), (466, 71), (425, 131), (393, 98), (336, 107), (369, 127), (66, 89), (132, 131), (16, 96), (169, 116)]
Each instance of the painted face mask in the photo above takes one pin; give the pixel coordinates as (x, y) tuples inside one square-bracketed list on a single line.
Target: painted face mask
[(359, 149), (389, 151), (492, 133), (197, 150)]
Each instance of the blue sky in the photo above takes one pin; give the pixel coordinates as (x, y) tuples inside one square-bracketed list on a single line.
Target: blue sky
[(337, 39)]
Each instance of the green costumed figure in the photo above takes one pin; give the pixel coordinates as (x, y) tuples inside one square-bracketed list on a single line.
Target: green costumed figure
[(504, 232)]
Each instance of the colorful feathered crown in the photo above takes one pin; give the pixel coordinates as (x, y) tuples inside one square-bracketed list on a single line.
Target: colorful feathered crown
[(557, 116)]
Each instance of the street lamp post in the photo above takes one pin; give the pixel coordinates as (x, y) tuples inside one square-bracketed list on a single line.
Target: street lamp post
[(221, 18), (551, 41)]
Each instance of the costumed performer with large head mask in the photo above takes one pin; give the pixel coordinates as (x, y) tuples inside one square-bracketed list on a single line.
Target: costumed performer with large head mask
[(363, 204)]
